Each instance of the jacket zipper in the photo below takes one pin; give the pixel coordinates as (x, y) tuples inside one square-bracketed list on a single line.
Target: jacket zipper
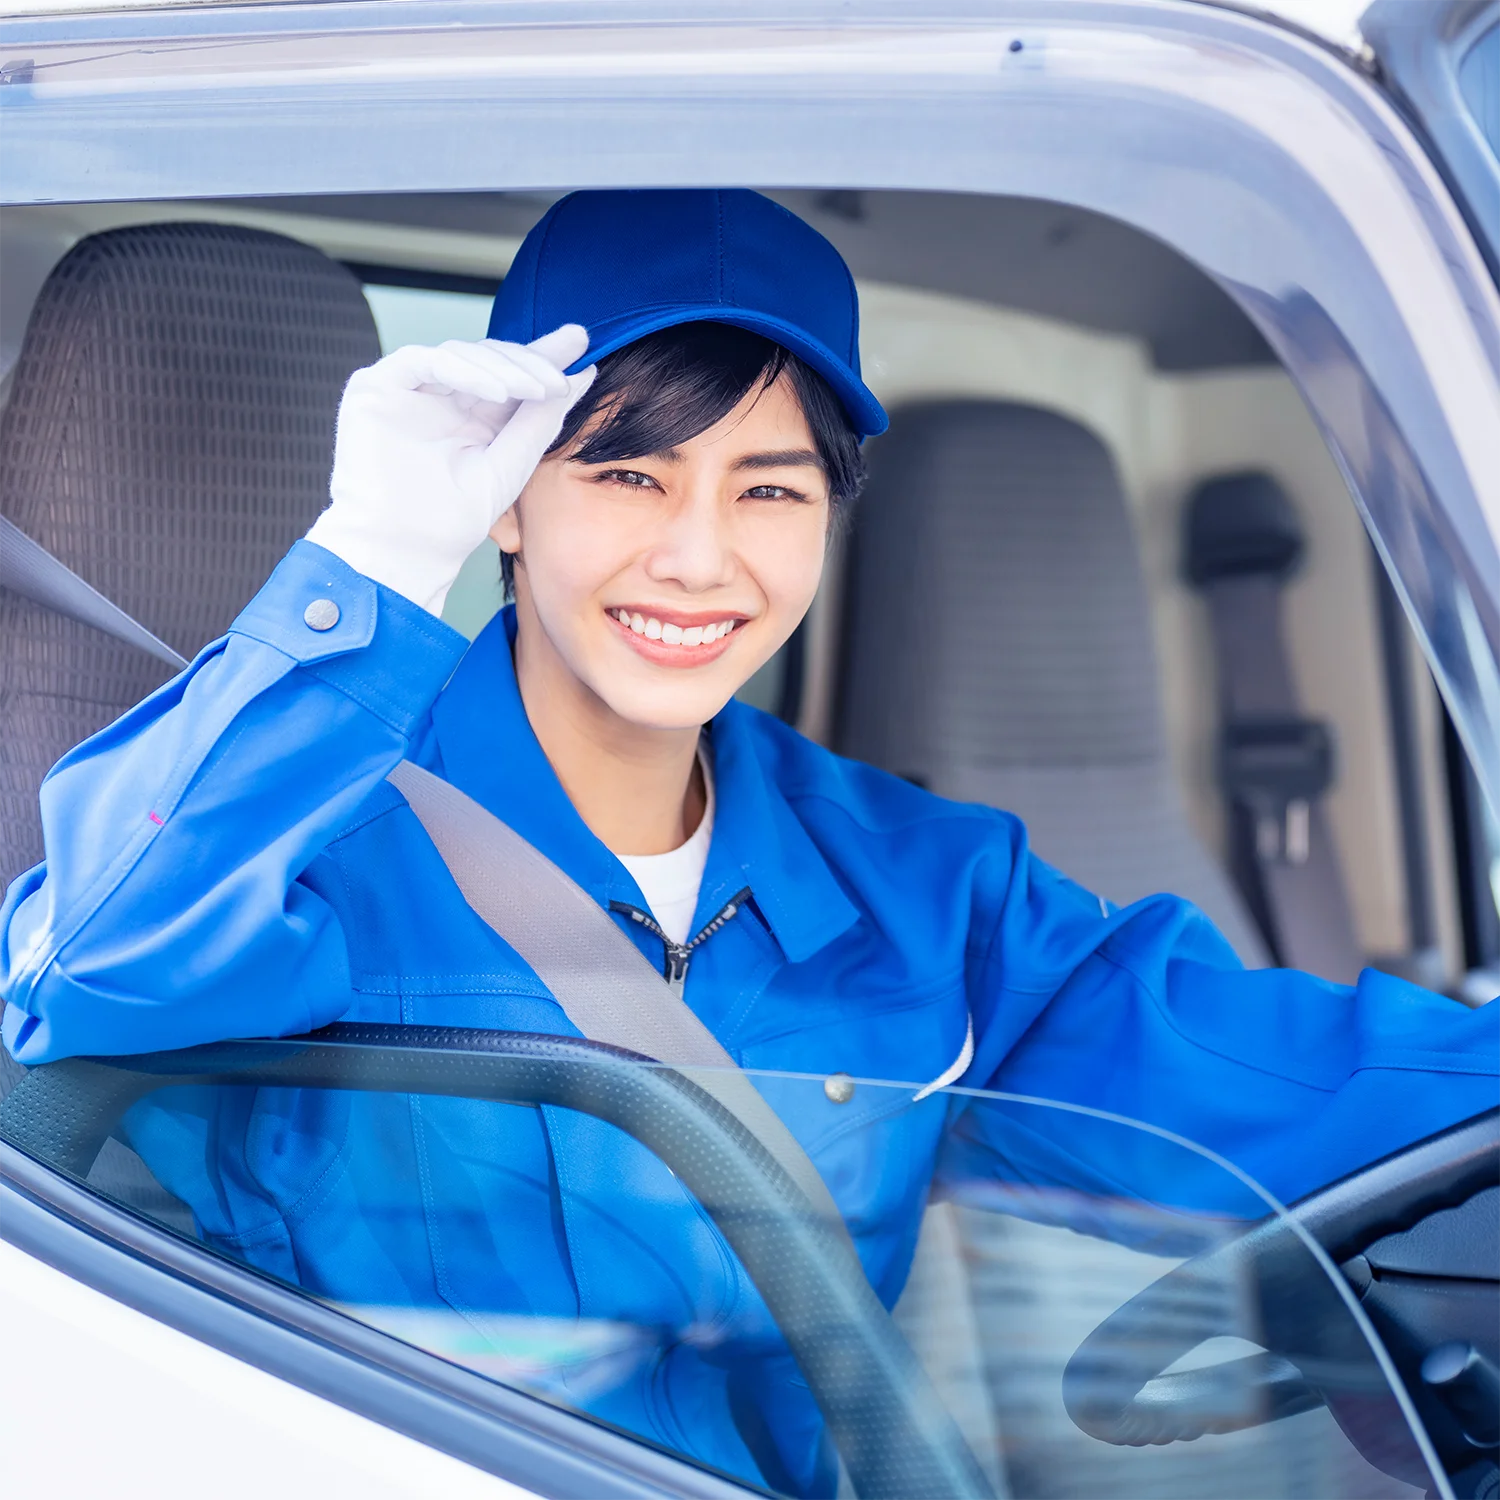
[(679, 955)]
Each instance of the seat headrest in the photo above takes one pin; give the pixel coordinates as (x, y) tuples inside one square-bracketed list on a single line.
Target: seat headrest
[(169, 435), (170, 426), (996, 612), (1240, 524)]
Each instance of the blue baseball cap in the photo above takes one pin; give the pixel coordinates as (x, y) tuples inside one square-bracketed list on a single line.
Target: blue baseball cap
[(625, 263)]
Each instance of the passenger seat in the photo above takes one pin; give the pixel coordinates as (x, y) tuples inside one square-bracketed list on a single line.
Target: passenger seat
[(998, 648)]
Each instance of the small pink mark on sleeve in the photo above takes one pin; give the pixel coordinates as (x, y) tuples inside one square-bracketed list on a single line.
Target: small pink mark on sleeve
[(157, 819)]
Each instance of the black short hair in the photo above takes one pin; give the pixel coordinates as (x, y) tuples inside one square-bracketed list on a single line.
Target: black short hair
[(666, 388)]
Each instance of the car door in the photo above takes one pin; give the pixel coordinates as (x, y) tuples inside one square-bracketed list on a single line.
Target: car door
[(1271, 163)]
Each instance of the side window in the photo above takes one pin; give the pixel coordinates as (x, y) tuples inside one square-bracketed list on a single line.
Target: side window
[(1060, 1332), (544, 1251)]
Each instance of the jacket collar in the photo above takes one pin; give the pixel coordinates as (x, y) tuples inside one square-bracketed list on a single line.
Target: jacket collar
[(488, 750)]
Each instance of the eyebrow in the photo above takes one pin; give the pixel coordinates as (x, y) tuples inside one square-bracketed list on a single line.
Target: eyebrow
[(774, 458), (780, 458)]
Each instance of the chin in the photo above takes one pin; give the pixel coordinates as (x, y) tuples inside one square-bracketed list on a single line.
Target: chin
[(669, 706)]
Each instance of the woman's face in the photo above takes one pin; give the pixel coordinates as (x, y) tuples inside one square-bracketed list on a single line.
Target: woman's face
[(663, 582)]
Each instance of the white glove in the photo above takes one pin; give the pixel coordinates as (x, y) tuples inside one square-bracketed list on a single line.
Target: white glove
[(434, 446)]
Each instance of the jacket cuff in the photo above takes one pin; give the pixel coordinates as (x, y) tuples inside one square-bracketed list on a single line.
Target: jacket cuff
[(371, 643)]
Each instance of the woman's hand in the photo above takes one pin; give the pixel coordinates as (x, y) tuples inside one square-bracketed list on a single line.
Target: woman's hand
[(434, 445)]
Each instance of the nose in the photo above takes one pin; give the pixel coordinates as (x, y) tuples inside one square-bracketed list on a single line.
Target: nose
[(694, 549)]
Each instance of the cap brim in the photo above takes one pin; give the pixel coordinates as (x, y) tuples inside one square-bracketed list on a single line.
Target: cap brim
[(865, 413)]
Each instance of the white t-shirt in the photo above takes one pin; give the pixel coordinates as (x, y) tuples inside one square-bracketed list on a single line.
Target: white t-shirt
[(670, 881)]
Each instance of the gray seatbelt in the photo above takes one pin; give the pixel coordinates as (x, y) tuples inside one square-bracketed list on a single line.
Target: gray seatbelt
[(26, 567), (1275, 764), (606, 987), (29, 569)]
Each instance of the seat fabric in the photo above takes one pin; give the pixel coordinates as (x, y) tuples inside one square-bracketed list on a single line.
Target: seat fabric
[(998, 648), (168, 436)]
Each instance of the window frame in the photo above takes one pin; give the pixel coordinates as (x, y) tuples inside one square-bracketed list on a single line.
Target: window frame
[(1422, 50)]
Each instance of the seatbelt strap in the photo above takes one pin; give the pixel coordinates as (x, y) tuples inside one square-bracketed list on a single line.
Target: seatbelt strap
[(29, 569), (1275, 763), (26, 567), (602, 981)]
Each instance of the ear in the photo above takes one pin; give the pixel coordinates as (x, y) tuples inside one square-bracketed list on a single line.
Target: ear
[(507, 531)]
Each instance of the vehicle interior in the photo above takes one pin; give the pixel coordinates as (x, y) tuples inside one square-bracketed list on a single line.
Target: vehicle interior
[(1038, 361), (1106, 575)]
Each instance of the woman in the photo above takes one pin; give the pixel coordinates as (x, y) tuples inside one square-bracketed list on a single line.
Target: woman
[(229, 860)]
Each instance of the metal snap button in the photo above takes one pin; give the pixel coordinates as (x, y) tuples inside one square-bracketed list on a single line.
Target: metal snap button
[(321, 614), (839, 1088)]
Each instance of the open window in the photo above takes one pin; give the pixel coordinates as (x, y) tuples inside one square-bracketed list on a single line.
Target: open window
[(1108, 267)]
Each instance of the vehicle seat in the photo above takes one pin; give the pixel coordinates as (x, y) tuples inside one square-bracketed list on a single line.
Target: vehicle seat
[(998, 648), (168, 436)]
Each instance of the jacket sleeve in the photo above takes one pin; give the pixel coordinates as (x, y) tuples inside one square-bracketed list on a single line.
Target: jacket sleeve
[(1146, 1013), (169, 910)]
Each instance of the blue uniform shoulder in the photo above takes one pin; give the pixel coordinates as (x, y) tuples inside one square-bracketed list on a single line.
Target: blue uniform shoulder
[(380, 803), (879, 802)]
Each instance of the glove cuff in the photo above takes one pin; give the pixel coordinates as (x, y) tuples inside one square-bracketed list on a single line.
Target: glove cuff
[(400, 563)]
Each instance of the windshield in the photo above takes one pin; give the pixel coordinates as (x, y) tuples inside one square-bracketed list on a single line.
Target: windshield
[(1073, 1294)]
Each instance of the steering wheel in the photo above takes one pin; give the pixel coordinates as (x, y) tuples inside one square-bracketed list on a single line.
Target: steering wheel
[(1114, 1387), (892, 1430)]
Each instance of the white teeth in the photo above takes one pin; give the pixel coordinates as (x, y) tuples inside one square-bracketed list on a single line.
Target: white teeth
[(673, 635)]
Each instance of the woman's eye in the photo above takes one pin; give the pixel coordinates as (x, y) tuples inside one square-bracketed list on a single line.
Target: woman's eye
[(773, 492), (630, 478)]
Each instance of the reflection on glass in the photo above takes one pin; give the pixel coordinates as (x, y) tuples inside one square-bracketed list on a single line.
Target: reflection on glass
[(1083, 1336)]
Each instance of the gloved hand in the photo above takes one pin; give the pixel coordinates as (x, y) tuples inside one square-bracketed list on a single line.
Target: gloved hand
[(434, 445)]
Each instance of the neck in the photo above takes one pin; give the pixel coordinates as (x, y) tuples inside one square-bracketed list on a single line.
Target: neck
[(639, 789)]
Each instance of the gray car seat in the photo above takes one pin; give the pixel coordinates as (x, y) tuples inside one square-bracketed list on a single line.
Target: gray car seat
[(998, 648), (168, 436)]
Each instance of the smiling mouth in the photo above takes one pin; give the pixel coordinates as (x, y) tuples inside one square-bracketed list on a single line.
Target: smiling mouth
[(670, 634), (669, 643)]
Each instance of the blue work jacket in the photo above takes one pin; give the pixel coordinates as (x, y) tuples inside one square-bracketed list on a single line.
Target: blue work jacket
[(227, 860)]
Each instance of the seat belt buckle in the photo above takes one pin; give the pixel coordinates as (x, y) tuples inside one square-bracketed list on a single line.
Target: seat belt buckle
[(1276, 767)]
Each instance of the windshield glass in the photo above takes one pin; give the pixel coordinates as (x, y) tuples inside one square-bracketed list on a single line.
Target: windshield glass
[(1082, 1305)]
